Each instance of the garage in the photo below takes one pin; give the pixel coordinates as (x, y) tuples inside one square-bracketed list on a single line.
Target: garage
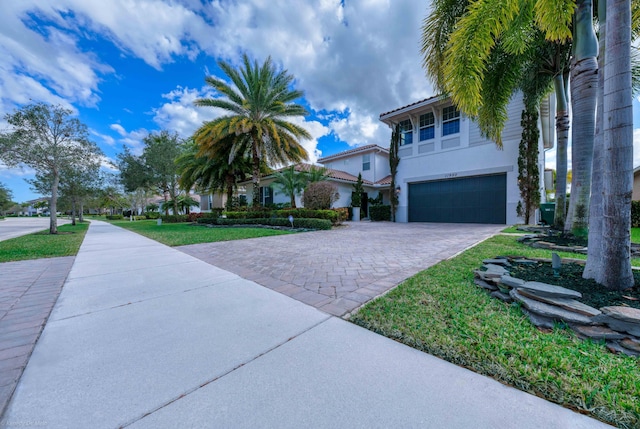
[(476, 199)]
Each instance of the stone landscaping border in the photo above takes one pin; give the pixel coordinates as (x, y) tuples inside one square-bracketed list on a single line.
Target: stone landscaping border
[(545, 305)]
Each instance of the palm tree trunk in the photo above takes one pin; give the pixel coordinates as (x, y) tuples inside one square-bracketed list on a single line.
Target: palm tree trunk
[(230, 186), (562, 131), (255, 179), (53, 205), (594, 251), (618, 142), (584, 92)]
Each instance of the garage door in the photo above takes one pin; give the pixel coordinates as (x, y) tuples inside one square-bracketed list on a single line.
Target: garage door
[(479, 199)]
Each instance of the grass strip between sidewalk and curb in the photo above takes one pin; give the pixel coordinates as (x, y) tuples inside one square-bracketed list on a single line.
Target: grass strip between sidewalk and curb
[(181, 234), (44, 245), (440, 311)]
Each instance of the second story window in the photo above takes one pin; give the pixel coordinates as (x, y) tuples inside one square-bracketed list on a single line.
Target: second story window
[(406, 132), (427, 126), (366, 162), (450, 120)]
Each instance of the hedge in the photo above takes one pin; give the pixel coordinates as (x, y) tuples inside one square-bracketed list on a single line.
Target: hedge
[(275, 221), (152, 215), (115, 217), (174, 218), (635, 214), (380, 213), (335, 216)]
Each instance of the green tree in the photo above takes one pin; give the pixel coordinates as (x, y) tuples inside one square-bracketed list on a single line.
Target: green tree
[(49, 140), (358, 191), (528, 171), (5, 199), (289, 182), (213, 171), (259, 101), (317, 174), (394, 160), (155, 168)]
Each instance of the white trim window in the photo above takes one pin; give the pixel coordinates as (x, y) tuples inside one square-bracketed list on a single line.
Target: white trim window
[(266, 195), (450, 121), (366, 162), (406, 132), (427, 126)]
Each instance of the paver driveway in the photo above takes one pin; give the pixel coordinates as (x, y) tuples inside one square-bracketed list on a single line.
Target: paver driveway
[(339, 270)]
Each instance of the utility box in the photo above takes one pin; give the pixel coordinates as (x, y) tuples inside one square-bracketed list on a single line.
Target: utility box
[(547, 213)]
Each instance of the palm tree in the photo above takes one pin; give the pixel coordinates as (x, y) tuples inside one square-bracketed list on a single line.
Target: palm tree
[(290, 182), (212, 172), (316, 174), (259, 102)]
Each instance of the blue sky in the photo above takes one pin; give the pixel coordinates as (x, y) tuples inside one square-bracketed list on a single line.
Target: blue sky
[(130, 67)]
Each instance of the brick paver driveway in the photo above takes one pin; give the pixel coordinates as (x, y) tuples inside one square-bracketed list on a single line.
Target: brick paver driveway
[(339, 270)]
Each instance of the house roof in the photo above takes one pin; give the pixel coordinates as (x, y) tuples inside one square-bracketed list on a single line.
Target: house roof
[(333, 174), (384, 180), (353, 151), (420, 103)]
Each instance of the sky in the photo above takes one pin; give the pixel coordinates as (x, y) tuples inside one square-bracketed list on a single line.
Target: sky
[(131, 67)]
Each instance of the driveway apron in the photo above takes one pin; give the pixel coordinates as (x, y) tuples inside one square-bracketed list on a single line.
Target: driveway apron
[(339, 270)]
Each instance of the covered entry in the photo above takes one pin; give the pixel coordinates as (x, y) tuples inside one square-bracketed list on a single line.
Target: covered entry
[(476, 199)]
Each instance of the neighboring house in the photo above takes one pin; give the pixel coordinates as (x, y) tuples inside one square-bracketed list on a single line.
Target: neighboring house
[(636, 184), (218, 200), (372, 161), (28, 208), (449, 173)]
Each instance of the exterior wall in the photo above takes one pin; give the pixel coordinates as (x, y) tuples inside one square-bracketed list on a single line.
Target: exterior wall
[(461, 155), (636, 186)]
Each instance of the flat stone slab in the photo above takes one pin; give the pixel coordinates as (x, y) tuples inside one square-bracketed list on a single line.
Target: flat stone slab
[(618, 325), (523, 261), (493, 268), (617, 348), (598, 332), (544, 289), (502, 296), (550, 311), (498, 261), (485, 285), (488, 275), (538, 320), (630, 344), (566, 303), (511, 281), (626, 314)]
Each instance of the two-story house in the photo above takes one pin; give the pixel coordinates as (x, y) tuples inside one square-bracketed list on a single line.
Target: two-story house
[(449, 173)]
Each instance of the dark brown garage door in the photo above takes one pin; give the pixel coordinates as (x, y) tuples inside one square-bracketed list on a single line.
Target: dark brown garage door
[(478, 199)]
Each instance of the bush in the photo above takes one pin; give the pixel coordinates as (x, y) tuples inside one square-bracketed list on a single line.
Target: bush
[(254, 214), (174, 218), (320, 195), (115, 217), (331, 215), (377, 213), (152, 215), (277, 221), (343, 213), (139, 218), (193, 217), (635, 214)]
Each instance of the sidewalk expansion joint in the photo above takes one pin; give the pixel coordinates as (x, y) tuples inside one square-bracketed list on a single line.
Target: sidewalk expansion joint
[(224, 374)]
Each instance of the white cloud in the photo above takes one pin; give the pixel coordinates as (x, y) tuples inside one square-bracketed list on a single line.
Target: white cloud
[(180, 114), (132, 139), (105, 138)]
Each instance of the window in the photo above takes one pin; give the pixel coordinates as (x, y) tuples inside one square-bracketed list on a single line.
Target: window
[(266, 195), (427, 126), (406, 132), (366, 162), (450, 121)]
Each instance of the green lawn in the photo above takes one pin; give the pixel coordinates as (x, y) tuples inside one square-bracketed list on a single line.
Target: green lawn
[(635, 235), (180, 234), (442, 312), (44, 245)]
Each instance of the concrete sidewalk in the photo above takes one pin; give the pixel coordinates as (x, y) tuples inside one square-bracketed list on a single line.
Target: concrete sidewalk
[(146, 336)]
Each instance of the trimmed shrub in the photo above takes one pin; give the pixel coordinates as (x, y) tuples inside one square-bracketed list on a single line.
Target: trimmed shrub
[(174, 218), (115, 217), (277, 221), (139, 218), (152, 215), (635, 214), (331, 215), (193, 217), (256, 214), (377, 213), (320, 195), (343, 213)]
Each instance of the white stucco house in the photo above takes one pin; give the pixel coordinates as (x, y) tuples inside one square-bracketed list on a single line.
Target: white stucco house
[(449, 173)]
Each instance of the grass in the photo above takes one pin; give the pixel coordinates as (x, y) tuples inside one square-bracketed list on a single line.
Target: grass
[(180, 234), (513, 229), (635, 235), (44, 245), (440, 311)]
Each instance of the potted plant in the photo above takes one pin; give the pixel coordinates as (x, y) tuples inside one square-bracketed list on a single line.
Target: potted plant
[(356, 198)]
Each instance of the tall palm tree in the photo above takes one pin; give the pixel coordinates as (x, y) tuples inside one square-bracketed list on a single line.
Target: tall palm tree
[(259, 101)]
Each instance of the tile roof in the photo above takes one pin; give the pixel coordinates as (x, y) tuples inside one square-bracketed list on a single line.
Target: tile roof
[(354, 150), (409, 105), (384, 180)]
